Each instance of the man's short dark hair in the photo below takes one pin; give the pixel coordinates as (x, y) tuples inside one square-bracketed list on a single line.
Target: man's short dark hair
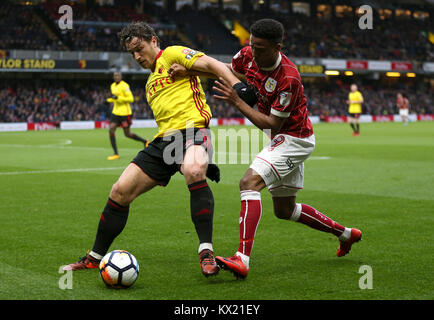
[(269, 29), (137, 29)]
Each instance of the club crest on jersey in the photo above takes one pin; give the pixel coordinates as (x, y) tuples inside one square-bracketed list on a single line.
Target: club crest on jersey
[(285, 98), (270, 85)]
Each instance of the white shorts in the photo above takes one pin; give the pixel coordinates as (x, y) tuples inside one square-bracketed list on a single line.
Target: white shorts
[(403, 112), (281, 164)]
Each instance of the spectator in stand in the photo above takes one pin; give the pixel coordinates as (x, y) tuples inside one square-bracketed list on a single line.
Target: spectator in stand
[(57, 100)]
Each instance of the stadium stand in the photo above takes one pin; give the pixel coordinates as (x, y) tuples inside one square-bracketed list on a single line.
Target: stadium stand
[(33, 25), (54, 100)]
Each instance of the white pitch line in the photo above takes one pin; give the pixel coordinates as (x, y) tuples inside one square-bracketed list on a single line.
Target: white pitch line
[(59, 171)]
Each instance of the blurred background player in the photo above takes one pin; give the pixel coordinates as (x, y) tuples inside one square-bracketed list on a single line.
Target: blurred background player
[(355, 100), (403, 105), (280, 165), (121, 97)]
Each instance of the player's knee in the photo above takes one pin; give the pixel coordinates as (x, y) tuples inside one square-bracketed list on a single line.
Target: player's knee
[(194, 172), (282, 214), (120, 194), (285, 211), (248, 183)]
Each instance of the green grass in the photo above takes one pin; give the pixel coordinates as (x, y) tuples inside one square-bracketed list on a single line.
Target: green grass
[(381, 182)]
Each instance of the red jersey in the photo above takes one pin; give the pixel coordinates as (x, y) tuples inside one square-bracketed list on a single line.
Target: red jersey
[(280, 91), (402, 103)]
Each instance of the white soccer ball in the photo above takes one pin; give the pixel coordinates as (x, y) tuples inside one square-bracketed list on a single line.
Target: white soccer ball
[(119, 269)]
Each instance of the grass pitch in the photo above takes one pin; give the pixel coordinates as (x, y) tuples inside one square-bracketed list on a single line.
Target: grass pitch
[(54, 185)]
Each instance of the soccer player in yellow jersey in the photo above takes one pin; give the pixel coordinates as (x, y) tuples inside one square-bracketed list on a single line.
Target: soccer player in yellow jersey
[(182, 143), (121, 97), (355, 100)]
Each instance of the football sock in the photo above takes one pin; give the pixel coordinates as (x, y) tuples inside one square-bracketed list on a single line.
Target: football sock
[(113, 142), (313, 218), (353, 127), (204, 246), (137, 138), (250, 214), (111, 223), (357, 127), (202, 210)]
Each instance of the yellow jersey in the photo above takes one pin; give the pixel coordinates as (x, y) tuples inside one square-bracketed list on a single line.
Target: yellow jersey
[(178, 103), (355, 107), (121, 105)]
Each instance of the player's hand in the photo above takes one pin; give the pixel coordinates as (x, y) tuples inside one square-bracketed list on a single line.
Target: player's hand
[(225, 92), (177, 71), (213, 172)]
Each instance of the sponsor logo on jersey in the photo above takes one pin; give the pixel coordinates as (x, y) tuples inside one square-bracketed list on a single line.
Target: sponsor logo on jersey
[(285, 98), (189, 53)]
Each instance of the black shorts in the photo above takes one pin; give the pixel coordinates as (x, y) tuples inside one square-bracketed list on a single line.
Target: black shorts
[(122, 121), (354, 115), (163, 156)]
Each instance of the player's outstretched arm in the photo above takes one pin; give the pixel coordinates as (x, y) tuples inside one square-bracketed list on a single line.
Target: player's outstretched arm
[(179, 71), (209, 65)]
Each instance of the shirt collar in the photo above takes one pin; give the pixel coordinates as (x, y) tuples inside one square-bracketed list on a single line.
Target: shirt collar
[(279, 59), (156, 58)]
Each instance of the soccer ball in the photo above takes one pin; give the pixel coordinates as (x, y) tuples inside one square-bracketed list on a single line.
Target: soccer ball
[(119, 269)]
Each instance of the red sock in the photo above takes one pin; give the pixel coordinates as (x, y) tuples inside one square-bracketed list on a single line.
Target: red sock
[(250, 214), (316, 220)]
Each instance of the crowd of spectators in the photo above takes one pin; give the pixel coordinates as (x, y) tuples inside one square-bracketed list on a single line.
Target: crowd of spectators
[(49, 101), (55, 101), (22, 29), (341, 37), (306, 36), (329, 98)]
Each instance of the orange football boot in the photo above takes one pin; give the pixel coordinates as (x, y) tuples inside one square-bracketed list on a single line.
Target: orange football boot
[(345, 246), (207, 263), (233, 264), (86, 262)]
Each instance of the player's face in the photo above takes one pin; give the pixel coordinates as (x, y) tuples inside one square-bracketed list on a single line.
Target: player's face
[(144, 52), (264, 52), (117, 77), (353, 88)]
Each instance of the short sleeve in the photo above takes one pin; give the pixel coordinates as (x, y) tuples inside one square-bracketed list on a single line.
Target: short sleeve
[(181, 55), (238, 62)]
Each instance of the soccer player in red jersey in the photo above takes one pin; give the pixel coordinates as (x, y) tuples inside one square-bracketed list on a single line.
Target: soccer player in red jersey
[(403, 105), (280, 165)]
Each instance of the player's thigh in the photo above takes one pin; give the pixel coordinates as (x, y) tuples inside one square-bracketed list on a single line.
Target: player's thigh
[(284, 155), (194, 164), (127, 131), (252, 180), (284, 206), (356, 117), (132, 182), (113, 126)]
